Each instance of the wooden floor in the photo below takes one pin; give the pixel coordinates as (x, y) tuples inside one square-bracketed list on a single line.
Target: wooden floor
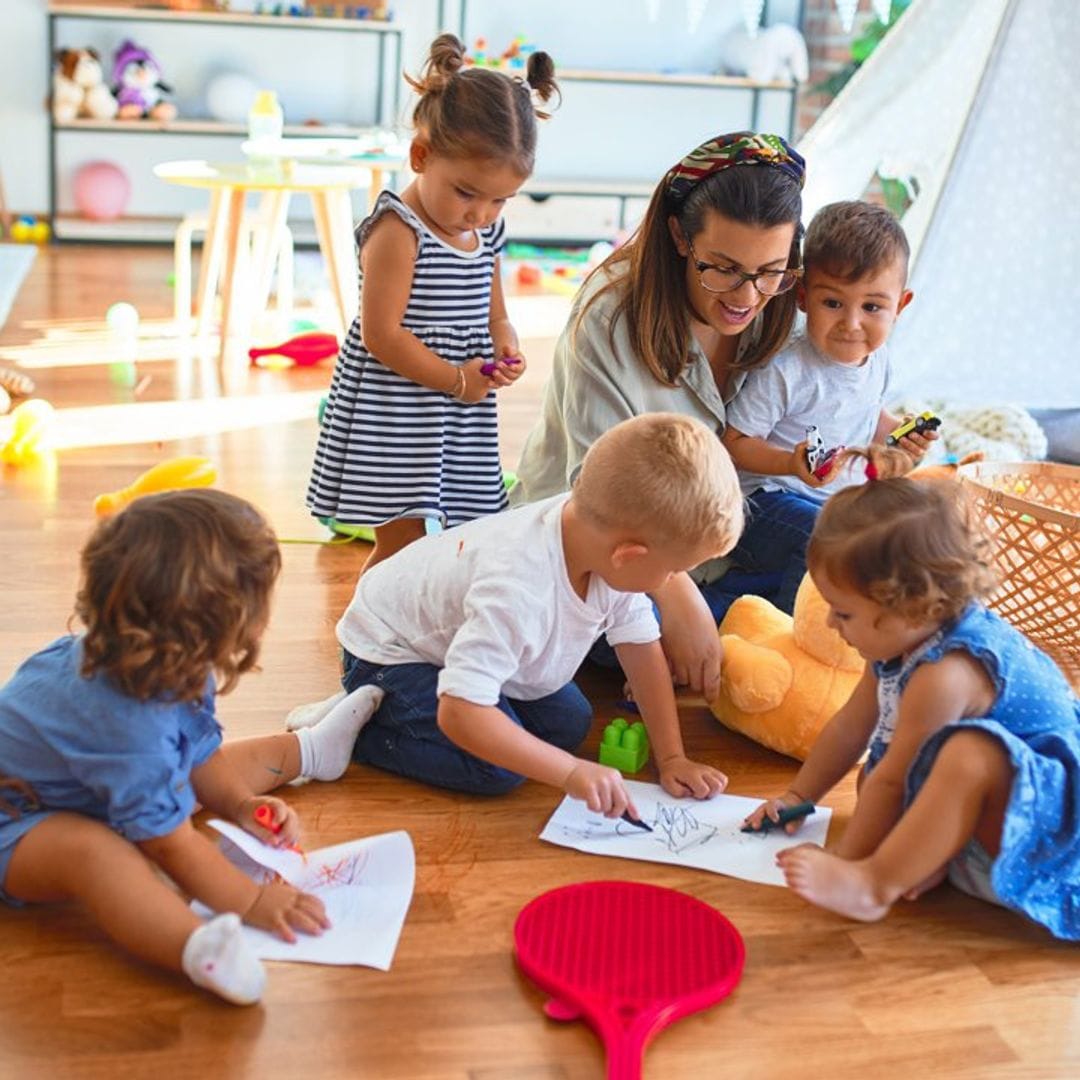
[(947, 987)]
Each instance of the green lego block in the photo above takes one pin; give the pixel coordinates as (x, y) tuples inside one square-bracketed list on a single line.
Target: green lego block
[(624, 746)]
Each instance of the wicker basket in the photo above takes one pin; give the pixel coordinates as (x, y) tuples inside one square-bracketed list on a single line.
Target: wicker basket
[(1031, 510)]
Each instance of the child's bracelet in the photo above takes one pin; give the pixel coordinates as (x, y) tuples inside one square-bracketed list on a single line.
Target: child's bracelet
[(457, 391)]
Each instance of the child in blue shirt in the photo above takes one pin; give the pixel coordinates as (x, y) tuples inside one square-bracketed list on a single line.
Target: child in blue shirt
[(108, 741), (834, 377), (974, 735)]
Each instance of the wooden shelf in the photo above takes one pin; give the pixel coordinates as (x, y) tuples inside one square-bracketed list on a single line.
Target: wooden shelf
[(205, 127), (148, 230), (645, 78), (220, 18)]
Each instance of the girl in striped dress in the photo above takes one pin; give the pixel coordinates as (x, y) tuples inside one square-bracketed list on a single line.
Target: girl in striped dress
[(410, 431)]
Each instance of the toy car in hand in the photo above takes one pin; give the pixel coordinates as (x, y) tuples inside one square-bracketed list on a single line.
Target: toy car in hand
[(818, 458), (925, 421)]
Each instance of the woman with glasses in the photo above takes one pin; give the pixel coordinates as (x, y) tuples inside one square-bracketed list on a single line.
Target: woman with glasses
[(672, 321)]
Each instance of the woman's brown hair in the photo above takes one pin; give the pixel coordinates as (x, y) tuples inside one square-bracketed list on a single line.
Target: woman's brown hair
[(650, 274), (174, 588), (910, 545), (476, 112)]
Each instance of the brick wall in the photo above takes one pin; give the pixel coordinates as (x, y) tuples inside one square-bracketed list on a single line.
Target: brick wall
[(830, 50)]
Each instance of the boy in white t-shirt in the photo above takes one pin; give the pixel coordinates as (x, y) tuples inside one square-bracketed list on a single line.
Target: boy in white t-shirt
[(834, 377), (474, 634)]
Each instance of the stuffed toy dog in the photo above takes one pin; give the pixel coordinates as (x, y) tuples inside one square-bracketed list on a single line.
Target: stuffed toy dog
[(78, 87)]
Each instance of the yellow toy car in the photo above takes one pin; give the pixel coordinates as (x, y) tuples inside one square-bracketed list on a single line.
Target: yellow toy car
[(925, 421)]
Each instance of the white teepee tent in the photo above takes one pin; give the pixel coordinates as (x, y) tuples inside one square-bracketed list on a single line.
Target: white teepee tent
[(978, 100)]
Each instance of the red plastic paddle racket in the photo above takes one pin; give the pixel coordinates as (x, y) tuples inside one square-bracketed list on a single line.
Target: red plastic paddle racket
[(627, 958)]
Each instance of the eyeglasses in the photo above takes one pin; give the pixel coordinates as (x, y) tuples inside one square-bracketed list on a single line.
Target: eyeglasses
[(722, 279)]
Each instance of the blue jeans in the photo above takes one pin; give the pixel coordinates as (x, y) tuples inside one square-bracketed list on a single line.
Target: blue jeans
[(719, 595), (403, 736), (778, 528)]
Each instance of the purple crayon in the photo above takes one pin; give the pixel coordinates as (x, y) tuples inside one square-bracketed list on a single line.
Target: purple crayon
[(489, 367)]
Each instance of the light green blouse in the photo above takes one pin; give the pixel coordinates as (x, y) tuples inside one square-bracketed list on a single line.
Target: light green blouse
[(597, 380)]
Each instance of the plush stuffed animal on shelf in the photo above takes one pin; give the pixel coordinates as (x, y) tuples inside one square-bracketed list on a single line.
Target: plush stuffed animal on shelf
[(783, 676), (79, 89), (775, 53), (138, 86)]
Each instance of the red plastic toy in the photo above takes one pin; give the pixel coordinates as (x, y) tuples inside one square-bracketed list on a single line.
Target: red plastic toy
[(627, 958), (304, 350)]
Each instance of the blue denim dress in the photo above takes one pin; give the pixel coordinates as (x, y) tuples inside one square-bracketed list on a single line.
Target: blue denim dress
[(1036, 716)]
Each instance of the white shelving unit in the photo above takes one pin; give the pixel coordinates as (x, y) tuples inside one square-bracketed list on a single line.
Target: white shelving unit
[(384, 73), (617, 128)]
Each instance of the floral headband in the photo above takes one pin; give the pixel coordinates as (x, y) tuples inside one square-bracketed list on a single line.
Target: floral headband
[(723, 151)]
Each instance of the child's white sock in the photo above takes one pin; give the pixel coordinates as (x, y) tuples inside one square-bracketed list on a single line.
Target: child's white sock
[(310, 714), (326, 748), (217, 957)]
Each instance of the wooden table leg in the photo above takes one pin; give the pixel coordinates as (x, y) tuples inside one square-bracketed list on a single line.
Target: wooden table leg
[(328, 217), (266, 246), (229, 291), (210, 260)]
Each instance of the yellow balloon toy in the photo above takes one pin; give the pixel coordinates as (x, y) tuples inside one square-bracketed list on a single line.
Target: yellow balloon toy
[(181, 472), (30, 429)]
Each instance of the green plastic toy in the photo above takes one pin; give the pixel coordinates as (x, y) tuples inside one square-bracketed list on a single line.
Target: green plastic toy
[(624, 746)]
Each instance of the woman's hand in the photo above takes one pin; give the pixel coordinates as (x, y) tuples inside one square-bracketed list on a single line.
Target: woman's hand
[(281, 908), (601, 788), (284, 828), (680, 776)]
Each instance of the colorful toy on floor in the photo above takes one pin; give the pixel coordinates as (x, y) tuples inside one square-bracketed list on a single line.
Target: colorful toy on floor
[(31, 429), (28, 230), (628, 959), (181, 472), (783, 677), (304, 350), (624, 746)]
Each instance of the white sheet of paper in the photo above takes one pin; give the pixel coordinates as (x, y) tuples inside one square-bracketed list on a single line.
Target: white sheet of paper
[(686, 832), (366, 885)]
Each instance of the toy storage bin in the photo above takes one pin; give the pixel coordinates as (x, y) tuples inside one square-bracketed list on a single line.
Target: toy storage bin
[(1031, 510)]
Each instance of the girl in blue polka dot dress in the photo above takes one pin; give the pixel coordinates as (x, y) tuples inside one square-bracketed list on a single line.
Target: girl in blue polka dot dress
[(973, 770)]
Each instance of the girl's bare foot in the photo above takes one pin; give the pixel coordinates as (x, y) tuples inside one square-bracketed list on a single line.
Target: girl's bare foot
[(833, 883)]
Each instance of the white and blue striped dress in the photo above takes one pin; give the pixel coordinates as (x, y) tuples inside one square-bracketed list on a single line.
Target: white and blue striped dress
[(390, 448)]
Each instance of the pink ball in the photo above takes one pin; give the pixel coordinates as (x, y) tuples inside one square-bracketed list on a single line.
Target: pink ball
[(102, 190)]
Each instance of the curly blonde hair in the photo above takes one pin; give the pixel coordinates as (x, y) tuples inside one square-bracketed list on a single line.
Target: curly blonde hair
[(174, 588), (909, 544)]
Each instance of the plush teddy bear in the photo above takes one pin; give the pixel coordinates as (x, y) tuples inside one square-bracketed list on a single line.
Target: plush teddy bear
[(78, 87), (783, 676), (138, 86)]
